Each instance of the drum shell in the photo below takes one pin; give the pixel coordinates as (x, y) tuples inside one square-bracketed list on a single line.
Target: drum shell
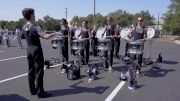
[(77, 44), (56, 43), (104, 44), (135, 47)]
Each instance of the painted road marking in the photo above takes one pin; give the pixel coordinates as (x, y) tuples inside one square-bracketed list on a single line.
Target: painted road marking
[(22, 75), (12, 58), (115, 91)]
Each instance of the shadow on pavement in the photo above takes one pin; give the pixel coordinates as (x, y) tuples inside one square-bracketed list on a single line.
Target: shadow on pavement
[(12, 97), (169, 62), (75, 89), (157, 72)]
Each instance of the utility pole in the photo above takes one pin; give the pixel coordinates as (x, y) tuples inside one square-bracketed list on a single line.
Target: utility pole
[(94, 20), (158, 21), (66, 12)]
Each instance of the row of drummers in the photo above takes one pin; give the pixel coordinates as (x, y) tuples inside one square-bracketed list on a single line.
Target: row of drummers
[(108, 32)]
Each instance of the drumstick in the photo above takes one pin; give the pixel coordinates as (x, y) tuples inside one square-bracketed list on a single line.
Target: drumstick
[(112, 36)]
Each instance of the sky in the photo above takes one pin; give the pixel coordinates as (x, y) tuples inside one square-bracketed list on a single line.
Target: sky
[(11, 9)]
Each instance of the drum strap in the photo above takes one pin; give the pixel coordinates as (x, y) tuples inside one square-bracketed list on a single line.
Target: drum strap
[(104, 31)]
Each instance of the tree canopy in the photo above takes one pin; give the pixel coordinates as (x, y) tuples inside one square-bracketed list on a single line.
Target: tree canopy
[(172, 18), (119, 17)]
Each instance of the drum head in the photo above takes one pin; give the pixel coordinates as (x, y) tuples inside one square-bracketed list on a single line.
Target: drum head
[(58, 35), (101, 33), (136, 43), (124, 33), (150, 33), (78, 32)]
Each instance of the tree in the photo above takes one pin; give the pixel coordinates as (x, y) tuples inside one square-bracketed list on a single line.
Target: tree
[(172, 18)]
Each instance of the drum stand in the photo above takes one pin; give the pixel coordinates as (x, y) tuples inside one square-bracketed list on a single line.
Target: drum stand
[(104, 60), (148, 59), (58, 60), (79, 56), (131, 73)]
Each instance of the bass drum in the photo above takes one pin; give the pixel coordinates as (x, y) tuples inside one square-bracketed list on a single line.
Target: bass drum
[(78, 32), (151, 32), (101, 33), (124, 33)]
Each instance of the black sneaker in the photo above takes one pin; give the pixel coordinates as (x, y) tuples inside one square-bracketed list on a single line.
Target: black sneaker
[(44, 94), (33, 93)]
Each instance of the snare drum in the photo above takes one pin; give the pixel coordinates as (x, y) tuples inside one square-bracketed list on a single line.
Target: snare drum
[(135, 47), (56, 42), (77, 44), (103, 44)]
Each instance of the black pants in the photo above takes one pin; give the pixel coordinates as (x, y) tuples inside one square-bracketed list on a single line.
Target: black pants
[(116, 46), (1, 39), (36, 68), (109, 53), (94, 44), (86, 51), (19, 42), (7, 42), (65, 50)]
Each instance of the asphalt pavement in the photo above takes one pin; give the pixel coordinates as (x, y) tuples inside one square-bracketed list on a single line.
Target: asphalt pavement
[(155, 85)]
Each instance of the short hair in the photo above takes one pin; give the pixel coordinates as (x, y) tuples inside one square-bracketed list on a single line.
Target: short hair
[(84, 20), (140, 18), (27, 12), (64, 20), (110, 18)]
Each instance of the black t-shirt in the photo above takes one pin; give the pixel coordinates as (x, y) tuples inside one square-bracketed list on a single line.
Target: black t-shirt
[(139, 33), (85, 32), (110, 30)]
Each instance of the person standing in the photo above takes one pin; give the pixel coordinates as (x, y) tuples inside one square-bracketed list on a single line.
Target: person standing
[(85, 34), (18, 33), (110, 32), (65, 34), (94, 40), (117, 41), (139, 32), (35, 57), (6, 38)]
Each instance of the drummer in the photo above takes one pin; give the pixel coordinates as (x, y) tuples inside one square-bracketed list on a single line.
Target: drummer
[(72, 34), (110, 31), (65, 33), (85, 34), (94, 40), (138, 32), (117, 41)]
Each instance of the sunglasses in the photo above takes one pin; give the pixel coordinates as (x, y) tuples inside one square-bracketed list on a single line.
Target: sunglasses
[(140, 20)]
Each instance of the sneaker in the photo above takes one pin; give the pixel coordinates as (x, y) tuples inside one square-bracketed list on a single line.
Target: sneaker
[(123, 77), (89, 80), (139, 73), (131, 87), (110, 69), (33, 93), (44, 94), (63, 71)]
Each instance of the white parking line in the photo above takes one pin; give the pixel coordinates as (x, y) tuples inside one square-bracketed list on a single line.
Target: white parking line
[(22, 75), (12, 58), (2, 51), (115, 91), (13, 78)]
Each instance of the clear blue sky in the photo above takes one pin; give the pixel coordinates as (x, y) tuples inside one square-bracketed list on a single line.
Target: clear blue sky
[(11, 9)]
